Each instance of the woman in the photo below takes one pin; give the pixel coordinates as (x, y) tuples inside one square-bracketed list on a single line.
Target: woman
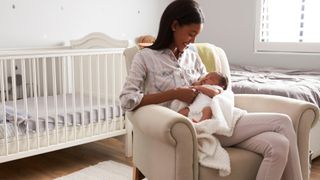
[(160, 74)]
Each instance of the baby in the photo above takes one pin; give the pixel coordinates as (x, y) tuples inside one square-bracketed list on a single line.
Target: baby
[(209, 86)]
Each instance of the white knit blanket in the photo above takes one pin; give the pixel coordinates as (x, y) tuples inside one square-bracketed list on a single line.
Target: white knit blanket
[(211, 154)]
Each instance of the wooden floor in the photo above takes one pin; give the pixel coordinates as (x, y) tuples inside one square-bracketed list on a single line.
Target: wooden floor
[(55, 164), (315, 170)]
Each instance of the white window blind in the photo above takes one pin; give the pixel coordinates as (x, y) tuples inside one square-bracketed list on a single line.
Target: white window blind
[(288, 25)]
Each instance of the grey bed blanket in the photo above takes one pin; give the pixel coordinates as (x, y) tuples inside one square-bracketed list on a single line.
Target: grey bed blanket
[(298, 84)]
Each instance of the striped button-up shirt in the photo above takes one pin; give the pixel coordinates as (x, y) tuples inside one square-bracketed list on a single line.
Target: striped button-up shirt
[(154, 71)]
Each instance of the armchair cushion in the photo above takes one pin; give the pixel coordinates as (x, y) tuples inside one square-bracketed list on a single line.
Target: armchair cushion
[(207, 55), (239, 171)]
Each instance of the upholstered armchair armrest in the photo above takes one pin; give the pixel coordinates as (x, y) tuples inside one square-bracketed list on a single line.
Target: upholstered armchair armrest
[(157, 122), (304, 115), (165, 139), (296, 109)]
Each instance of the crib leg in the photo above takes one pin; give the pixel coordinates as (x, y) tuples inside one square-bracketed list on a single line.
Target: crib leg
[(129, 139), (137, 175)]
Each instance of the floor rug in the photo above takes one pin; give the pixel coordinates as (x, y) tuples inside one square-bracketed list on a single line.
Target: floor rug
[(107, 170)]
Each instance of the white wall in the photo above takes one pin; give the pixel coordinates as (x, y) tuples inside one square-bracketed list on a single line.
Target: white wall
[(230, 24), (47, 23)]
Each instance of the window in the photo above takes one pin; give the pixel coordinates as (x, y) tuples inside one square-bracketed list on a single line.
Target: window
[(288, 26)]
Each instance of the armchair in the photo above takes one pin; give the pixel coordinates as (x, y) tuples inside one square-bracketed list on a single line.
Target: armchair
[(165, 144)]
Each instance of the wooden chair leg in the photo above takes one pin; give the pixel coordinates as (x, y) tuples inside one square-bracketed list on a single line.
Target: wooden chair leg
[(137, 175)]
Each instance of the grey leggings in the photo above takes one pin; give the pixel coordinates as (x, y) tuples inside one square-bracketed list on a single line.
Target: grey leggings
[(272, 135)]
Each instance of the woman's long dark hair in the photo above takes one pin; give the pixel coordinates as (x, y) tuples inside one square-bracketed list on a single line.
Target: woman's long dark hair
[(185, 12)]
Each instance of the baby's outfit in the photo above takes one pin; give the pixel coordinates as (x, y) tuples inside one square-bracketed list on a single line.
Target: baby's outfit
[(195, 109)]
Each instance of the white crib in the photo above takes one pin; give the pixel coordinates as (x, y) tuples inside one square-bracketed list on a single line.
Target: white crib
[(57, 98)]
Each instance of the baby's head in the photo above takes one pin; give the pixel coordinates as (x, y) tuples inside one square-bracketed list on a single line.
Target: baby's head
[(215, 78)]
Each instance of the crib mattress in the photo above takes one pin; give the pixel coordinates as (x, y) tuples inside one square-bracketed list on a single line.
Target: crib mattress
[(57, 116)]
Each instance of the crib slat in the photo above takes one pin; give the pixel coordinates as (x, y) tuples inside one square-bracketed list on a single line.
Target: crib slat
[(2, 84), (106, 95), (25, 100), (37, 60), (90, 125), (13, 82), (64, 95), (81, 92), (98, 95), (45, 94), (54, 89), (35, 100), (113, 93), (60, 73), (73, 98), (120, 85), (31, 79), (6, 82)]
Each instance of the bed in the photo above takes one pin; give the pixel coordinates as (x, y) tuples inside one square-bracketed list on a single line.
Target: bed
[(57, 98), (297, 84)]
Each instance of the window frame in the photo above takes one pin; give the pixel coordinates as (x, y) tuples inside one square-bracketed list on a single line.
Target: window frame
[(290, 47)]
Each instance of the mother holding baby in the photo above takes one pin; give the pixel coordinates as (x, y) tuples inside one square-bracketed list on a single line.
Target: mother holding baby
[(166, 70)]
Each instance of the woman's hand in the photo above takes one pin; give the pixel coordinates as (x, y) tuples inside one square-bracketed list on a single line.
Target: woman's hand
[(186, 94)]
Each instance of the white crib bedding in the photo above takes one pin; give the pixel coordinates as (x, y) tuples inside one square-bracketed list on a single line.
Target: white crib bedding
[(73, 113)]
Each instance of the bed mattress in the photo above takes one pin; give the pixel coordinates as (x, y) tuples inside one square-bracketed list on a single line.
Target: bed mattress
[(297, 84)]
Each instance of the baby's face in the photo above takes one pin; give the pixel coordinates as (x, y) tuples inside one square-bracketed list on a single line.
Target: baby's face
[(211, 79)]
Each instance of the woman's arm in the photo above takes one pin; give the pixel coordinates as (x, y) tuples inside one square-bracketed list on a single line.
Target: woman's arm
[(207, 91), (183, 94)]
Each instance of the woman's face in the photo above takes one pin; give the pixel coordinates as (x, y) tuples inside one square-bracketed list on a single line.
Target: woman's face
[(184, 35)]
